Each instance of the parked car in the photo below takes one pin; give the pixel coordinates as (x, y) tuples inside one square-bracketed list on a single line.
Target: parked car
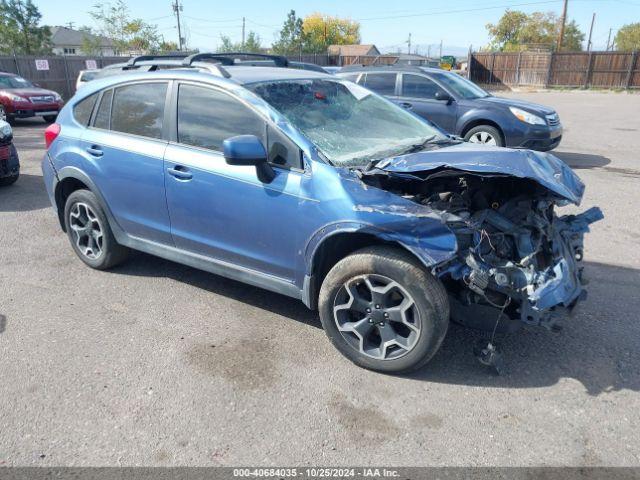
[(332, 69), (19, 98), (314, 187), (460, 107), (9, 163), (85, 76)]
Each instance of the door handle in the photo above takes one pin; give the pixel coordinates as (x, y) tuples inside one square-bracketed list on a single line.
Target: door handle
[(406, 105), (95, 151), (180, 172)]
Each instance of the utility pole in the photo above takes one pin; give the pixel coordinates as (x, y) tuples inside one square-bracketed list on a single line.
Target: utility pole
[(243, 23), (409, 44), (608, 39), (563, 20), (593, 19), (441, 49), (177, 8), (70, 25)]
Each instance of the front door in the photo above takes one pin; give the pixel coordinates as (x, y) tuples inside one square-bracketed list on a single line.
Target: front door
[(222, 211), (418, 94)]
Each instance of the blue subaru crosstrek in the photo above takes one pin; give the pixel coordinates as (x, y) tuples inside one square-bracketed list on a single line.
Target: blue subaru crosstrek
[(314, 187)]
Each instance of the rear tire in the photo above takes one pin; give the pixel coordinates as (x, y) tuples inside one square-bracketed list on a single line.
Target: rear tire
[(49, 118), (409, 310), (6, 181), (485, 135), (89, 232)]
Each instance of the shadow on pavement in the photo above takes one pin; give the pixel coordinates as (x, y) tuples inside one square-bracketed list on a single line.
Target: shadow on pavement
[(581, 161), (142, 264), (599, 345), (3, 323), (28, 193)]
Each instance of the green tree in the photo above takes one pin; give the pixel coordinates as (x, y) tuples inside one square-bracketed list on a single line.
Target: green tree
[(20, 31), (251, 44), (320, 31), (91, 42), (290, 38), (168, 46), (628, 37), (517, 31), (128, 34)]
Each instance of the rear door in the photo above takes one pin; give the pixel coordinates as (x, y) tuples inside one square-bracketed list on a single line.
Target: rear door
[(383, 83), (125, 146), (225, 212), (418, 94)]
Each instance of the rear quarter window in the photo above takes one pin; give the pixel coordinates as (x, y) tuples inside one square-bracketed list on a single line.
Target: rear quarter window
[(82, 110)]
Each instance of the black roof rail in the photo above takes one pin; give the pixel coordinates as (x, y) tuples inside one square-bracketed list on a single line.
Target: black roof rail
[(207, 56), (278, 60), (142, 58)]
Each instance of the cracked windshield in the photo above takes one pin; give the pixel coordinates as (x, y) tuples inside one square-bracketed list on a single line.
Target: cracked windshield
[(350, 125)]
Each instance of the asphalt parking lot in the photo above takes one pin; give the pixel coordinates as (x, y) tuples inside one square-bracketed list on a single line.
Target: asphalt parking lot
[(155, 363)]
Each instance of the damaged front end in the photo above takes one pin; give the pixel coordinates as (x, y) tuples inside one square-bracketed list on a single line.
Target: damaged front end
[(517, 261)]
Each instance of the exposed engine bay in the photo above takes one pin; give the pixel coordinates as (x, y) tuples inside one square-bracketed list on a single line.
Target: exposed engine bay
[(517, 261)]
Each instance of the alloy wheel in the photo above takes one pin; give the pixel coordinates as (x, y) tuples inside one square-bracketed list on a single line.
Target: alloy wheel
[(377, 316), (87, 230), (483, 137)]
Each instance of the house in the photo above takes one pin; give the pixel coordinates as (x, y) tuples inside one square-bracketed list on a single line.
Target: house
[(66, 41), (353, 50), (415, 59)]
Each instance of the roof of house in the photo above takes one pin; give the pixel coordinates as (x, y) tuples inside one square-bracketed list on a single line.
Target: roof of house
[(353, 50), (66, 36)]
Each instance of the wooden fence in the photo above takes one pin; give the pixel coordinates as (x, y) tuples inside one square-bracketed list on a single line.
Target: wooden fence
[(575, 69)]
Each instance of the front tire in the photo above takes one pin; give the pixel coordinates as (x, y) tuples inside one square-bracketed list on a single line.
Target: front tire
[(485, 135), (89, 232), (383, 311)]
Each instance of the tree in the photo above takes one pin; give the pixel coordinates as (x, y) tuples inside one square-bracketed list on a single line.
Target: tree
[(628, 37), (320, 31), (251, 44), (91, 42), (168, 46), (517, 31), (290, 36), (19, 28), (133, 35)]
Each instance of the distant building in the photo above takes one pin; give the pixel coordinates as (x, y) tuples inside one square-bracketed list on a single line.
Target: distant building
[(353, 50), (67, 41), (417, 60)]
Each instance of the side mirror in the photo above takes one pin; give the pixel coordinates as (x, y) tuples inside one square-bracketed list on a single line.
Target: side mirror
[(444, 97), (248, 150)]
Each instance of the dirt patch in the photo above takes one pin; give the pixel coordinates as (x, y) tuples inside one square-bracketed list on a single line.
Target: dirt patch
[(247, 365)]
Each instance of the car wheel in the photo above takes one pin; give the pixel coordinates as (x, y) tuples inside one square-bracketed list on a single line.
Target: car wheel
[(89, 232), (486, 135), (3, 113), (383, 311), (6, 181), (50, 118)]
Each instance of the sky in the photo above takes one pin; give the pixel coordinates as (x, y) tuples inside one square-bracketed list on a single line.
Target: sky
[(457, 23)]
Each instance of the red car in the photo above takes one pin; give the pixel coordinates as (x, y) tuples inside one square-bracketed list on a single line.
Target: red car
[(19, 98)]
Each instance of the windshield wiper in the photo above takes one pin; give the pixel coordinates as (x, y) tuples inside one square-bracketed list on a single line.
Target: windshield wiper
[(418, 146)]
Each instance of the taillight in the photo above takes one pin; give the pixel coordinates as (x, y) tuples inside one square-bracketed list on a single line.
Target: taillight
[(51, 133)]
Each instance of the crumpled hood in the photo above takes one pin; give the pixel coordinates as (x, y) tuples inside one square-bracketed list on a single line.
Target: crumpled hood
[(544, 168)]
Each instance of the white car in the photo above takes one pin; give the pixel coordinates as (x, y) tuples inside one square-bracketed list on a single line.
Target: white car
[(85, 76)]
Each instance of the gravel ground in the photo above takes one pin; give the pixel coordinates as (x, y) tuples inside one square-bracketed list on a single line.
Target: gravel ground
[(154, 363)]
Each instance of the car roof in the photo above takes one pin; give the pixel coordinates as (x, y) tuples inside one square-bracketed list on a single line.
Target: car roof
[(7, 74), (248, 74), (390, 68)]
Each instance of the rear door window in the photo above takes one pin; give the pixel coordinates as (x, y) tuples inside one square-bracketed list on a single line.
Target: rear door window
[(139, 109), (104, 111), (382, 83), (416, 86), (82, 110)]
